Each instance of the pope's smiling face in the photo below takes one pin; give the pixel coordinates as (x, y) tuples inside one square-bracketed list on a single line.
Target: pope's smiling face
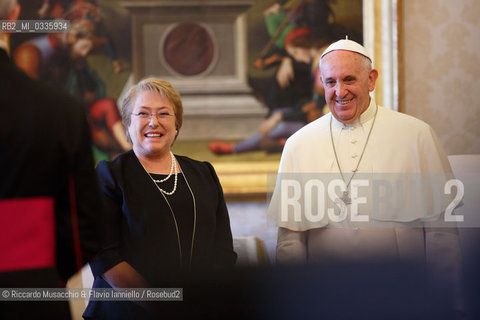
[(155, 135), (347, 80)]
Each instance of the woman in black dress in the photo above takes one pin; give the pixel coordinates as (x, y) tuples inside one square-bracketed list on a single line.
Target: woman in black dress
[(163, 212)]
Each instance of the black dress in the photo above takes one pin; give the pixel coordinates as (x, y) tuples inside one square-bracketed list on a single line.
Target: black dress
[(139, 227)]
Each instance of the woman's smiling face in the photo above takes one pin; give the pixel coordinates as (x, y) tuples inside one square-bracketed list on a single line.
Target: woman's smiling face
[(152, 135)]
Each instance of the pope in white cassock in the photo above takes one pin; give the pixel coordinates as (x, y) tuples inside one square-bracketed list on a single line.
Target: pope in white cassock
[(359, 137)]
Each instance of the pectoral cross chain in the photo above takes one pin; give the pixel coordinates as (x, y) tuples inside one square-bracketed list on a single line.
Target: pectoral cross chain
[(346, 197)]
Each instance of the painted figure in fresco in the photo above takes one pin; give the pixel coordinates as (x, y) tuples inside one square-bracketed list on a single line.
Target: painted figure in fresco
[(289, 46), (293, 99), (60, 59), (300, 30), (83, 9)]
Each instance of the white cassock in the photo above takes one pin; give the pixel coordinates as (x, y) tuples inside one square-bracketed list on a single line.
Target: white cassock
[(399, 147)]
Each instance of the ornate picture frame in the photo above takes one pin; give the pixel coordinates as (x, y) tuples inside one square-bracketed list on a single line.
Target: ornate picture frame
[(381, 26)]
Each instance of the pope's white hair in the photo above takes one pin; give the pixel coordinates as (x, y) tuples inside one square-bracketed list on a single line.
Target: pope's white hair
[(6, 7)]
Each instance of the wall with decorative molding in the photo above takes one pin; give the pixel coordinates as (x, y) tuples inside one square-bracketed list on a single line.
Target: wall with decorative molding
[(441, 61)]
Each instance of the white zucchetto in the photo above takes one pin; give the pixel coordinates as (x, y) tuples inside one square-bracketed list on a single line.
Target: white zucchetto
[(347, 45)]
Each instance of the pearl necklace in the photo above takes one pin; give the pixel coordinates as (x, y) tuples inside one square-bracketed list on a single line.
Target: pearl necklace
[(173, 168)]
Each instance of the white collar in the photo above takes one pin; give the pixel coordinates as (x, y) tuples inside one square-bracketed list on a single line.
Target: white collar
[(366, 116)]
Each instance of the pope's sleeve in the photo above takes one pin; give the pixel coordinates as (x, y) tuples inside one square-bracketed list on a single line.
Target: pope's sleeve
[(291, 247), (224, 254), (434, 173), (435, 159), (110, 222), (443, 257), (273, 211), (291, 244)]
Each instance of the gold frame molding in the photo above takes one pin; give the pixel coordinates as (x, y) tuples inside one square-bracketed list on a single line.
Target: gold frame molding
[(382, 23)]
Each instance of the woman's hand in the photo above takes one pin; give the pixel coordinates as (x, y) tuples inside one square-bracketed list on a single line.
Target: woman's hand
[(123, 275)]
